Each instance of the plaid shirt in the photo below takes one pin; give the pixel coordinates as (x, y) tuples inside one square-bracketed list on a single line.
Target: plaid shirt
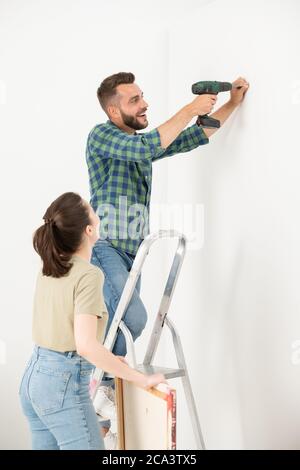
[(120, 177)]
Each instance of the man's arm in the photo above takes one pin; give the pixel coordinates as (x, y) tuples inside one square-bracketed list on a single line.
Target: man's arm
[(194, 136), (237, 96), (187, 140), (222, 114), (173, 127), (105, 141)]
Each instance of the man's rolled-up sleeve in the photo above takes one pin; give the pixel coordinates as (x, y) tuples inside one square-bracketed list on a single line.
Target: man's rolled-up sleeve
[(187, 140)]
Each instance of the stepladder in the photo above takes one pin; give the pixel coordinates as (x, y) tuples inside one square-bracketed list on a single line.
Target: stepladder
[(162, 319)]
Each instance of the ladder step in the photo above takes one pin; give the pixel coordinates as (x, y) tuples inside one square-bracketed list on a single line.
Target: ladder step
[(167, 372)]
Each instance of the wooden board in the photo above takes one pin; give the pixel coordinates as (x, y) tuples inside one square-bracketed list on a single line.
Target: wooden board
[(146, 418)]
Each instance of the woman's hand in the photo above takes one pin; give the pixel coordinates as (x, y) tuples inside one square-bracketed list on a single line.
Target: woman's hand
[(122, 359), (150, 381)]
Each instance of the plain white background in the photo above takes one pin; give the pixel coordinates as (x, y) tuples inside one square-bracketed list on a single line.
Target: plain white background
[(237, 301)]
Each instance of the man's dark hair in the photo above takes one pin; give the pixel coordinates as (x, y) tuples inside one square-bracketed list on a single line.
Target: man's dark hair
[(108, 88)]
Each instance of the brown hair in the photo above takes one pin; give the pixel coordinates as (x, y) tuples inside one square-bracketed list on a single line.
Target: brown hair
[(61, 235), (107, 90)]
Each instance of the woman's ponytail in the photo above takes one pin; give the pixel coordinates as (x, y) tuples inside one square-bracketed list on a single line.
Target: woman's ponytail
[(61, 234)]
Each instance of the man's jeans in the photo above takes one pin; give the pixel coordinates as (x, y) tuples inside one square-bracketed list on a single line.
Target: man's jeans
[(116, 265), (54, 395)]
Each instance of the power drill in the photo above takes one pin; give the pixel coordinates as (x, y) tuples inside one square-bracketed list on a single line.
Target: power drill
[(210, 88)]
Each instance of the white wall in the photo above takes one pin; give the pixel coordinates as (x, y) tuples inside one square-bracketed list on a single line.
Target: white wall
[(53, 57), (237, 300)]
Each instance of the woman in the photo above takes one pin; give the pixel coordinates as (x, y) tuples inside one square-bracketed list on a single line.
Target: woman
[(69, 321)]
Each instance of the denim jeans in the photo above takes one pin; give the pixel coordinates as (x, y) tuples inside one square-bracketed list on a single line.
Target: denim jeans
[(116, 265), (54, 395)]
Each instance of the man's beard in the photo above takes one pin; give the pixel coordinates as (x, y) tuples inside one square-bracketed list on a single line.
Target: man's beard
[(133, 122)]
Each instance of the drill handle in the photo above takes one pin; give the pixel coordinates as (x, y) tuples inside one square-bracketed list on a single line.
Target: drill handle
[(208, 122), (205, 120)]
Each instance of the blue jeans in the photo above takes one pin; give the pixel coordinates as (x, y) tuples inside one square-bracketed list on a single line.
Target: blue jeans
[(54, 395), (116, 265)]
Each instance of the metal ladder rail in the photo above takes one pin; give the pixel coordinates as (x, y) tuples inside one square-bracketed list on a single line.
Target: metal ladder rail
[(161, 319), (128, 292)]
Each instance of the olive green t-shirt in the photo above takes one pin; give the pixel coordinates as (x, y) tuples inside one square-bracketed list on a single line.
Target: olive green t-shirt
[(57, 300)]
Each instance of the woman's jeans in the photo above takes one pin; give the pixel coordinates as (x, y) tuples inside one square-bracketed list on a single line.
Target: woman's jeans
[(116, 265), (54, 395)]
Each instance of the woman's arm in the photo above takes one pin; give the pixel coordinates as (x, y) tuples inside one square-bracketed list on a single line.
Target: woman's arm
[(87, 346)]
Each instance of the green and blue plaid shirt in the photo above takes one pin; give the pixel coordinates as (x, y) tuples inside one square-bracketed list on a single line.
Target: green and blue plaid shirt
[(120, 177)]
